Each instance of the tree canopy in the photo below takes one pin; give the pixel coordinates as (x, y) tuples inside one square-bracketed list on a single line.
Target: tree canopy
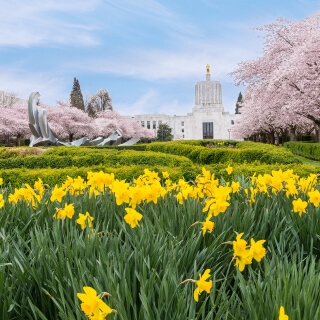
[(70, 123), (164, 132), (238, 104), (100, 101), (282, 94), (76, 97)]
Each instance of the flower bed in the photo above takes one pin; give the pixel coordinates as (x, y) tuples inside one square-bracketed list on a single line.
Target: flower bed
[(218, 247)]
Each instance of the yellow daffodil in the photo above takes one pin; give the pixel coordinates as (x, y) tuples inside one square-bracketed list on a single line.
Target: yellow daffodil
[(240, 245), (1, 201), (57, 194), (85, 220), (243, 259), (39, 187), (92, 305), (244, 254), (207, 225), (121, 192), (257, 250), (241, 253), (282, 315), (235, 186), (314, 197), (132, 217), (229, 169), (165, 175), (299, 206), (202, 285), (67, 211)]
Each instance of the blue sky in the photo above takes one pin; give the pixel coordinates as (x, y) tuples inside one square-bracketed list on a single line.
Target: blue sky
[(149, 54)]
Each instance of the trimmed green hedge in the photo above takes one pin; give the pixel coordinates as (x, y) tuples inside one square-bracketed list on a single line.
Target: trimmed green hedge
[(18, 177), (244, 152), (309, 150), (124, 157)]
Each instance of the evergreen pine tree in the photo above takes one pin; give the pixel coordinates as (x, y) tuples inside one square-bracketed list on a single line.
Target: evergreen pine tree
[(76, 97), (238, 104), (164, 133)]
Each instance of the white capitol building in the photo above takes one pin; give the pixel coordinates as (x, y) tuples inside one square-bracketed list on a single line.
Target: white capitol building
[(206, 121)]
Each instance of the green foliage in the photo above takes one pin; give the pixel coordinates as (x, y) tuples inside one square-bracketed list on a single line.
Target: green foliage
[(238, 104), (17, 177), (164, 132), (76, 97), (244, 152), (309, 150), (45, 262), (121, 157)]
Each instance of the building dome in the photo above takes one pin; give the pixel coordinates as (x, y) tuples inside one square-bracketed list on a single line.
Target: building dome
[(208, 93)]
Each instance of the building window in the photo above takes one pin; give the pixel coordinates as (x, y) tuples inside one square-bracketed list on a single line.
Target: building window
[(207, 130), (148, 124), (232, 122), (182, 130), (182, 123), (159, 122), (142, 123), (154, 124)]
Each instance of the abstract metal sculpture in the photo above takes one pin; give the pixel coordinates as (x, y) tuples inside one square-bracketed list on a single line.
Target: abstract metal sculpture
[(42, 135)]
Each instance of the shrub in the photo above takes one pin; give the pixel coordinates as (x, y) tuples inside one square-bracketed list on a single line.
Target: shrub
[(309, 150)]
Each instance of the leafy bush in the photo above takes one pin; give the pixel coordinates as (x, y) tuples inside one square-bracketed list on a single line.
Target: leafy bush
[(309, 150), (244, 152), (122, 157)]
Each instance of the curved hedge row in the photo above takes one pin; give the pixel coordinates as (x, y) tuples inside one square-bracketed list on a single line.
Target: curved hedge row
[(18, 177), (147, 158), (245, 152), (309, 150)]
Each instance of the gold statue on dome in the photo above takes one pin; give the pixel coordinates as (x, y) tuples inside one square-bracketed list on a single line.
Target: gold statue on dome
[(208, 68)]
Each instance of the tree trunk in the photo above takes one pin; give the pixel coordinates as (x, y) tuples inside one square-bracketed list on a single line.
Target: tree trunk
[(292, 134), (317, 131), (276, 138), (271, 137)]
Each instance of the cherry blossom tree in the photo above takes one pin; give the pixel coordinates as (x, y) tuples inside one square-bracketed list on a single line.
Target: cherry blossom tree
[(109, 121), (100, 101), (14, 121), (282, 92), (69, 123)]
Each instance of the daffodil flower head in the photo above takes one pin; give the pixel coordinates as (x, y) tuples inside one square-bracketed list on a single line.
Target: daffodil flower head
[(85, 220), (202, 285), (207, 225), (229, 169), (92, 304), (282, 315), (132, 217), (299, 206)]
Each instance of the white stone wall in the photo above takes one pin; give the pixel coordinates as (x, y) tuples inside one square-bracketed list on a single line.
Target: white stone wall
[(208, 108), (190, 126)]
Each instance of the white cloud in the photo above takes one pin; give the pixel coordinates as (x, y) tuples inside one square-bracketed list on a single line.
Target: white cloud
[(159, 64), (50, 88), (142, 105), (41, 22)]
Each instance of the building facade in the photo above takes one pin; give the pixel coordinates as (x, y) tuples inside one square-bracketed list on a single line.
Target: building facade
[(206, 121)]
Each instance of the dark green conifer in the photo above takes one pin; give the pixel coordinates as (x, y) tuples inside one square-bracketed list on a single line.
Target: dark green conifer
[(76, 97), (238, 104)]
